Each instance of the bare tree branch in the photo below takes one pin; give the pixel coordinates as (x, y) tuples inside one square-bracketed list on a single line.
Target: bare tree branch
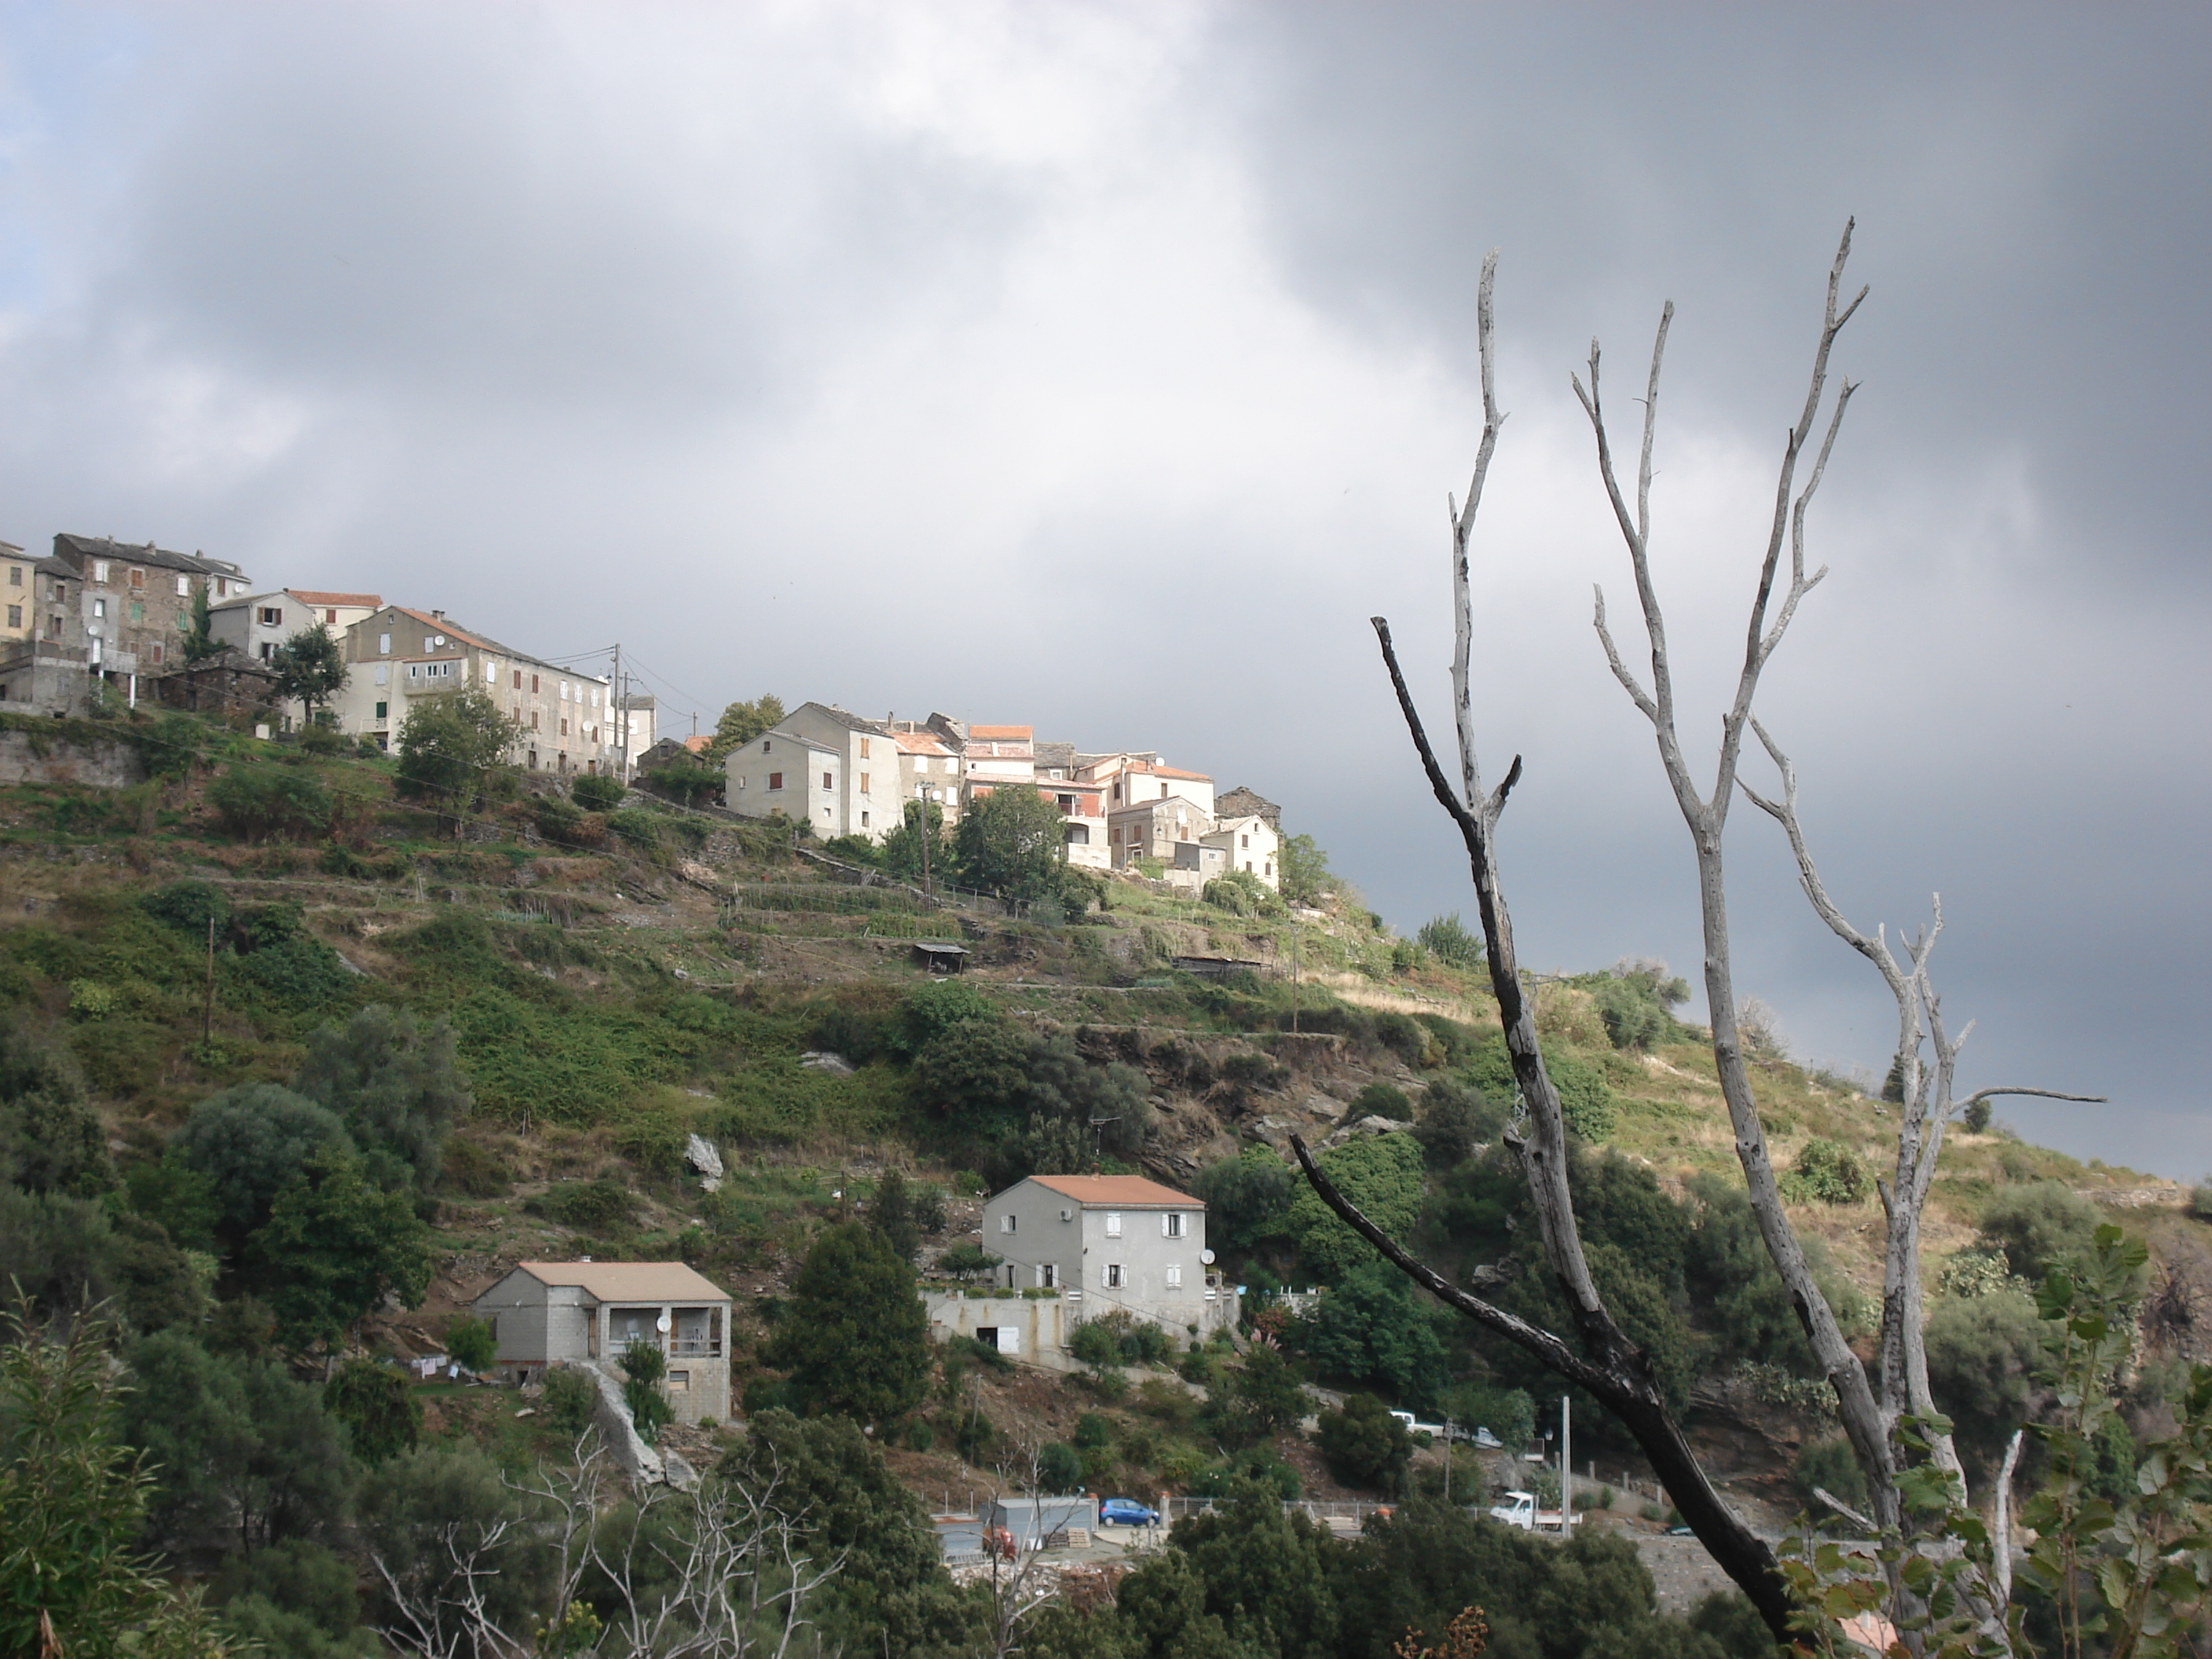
[(1845, 1509)]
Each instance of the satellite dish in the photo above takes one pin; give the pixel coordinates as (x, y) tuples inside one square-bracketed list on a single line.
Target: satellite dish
[(1207, 1256), (661, 1324)]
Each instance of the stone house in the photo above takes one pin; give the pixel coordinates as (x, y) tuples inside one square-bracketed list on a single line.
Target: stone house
[(586, 1313), (19, 617), (1242, 803), (1159, 829), (866, 780), (1131, 779), (1249, 844), (781, 774), (1108, 1242), (134, 604), (564, 720), (929, 766), (255, 624)]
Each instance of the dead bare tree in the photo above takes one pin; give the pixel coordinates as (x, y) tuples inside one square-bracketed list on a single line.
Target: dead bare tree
[(1016, 1575), (441, 1602), (1870, 1407), (1608, 1364)]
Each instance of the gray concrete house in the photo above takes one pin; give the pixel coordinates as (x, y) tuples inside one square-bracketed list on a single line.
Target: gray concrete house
[(782, 775), (586, 1313), (1108, 1242)]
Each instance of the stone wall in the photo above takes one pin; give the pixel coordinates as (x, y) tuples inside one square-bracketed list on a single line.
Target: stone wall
[(35, 758)]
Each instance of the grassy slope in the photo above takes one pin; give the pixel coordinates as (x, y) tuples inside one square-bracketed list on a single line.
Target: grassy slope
[(609, 1003)]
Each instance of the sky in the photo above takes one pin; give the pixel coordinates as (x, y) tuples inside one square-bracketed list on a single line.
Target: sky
[(1105, 366)]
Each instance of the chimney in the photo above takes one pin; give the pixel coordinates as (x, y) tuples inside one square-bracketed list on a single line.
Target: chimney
[(437, 616)]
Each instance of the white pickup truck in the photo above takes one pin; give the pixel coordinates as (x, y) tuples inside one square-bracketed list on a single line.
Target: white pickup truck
[(1480, 1437), (1519, 1509)]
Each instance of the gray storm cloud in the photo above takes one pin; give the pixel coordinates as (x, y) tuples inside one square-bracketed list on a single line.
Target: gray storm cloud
[(1106, 366)]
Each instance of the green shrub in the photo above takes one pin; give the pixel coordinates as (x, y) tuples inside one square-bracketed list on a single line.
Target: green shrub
[(2039, 1227), (1448, 942), (643, 1366), (598, 792), (1362, 1443), (2200, 1200), (1826, 1173), (190, 906), (1059, 1468), (475, 1171), (568, 1401), (599, 1207), (258, 802), (1585, 1102), (1975, 1119), (1831, 1464)]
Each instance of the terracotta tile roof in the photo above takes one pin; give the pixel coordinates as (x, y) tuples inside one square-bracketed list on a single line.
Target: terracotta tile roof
[(920, 743), (370, 601), (1153, 768), (699, 743), (1133, 1192), (629, 1282), (1002, 733)]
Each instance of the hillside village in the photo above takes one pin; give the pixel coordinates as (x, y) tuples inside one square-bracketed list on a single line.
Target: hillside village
[(534, 1133)]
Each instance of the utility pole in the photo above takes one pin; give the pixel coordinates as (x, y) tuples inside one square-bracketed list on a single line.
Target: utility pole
[(207, 1009), (622, 720), (928, 893), (1567, 1464)]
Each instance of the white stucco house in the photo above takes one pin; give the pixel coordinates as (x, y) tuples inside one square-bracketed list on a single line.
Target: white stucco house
[(782, 775), (1108, 1242), (586, 1313), (1248, 843)]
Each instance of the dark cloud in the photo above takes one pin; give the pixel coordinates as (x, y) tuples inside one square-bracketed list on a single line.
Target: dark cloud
[(1107, 368)]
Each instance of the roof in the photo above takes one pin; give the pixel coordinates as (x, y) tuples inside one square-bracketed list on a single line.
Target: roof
[(362, 601), (1130, 1192), (699, 742), (788, 736), (453, 630), (1002, 733), (629, 1282), (1056, 754), (920, 743), (103, 547), (9, 547), (843, 717), (1153, 768)]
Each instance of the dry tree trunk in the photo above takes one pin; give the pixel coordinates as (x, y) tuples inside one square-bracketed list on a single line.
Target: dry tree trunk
[(1609, 1365)]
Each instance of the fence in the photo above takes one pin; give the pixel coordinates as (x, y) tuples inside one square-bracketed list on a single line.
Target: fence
[(1346, 1516)]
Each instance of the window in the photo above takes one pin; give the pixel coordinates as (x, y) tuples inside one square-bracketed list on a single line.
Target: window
[(864, 783), (518, 679), (99, 570), (384, 645), (679, 1382), (765, 745), (138, 610), (184, 587), (1174, 1276), (826, 783), (15, 575), (1006, 1222), (564, 728), (864, 820), (157, 653), (533, 685), (272, 615), (533, 719), (1245, 841), (137, 578), (329, 617), (1163, 792), (492, 673), (1171, 1224), (383, 673), (1112, 1225), (268, 651), (383, 711), (863, 749), (1113, 1277), (775, 779), (1048, 1276), (15, 616), (99, 610)]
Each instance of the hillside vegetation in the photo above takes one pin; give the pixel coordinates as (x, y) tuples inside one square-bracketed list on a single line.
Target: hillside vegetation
[(293, 1067)]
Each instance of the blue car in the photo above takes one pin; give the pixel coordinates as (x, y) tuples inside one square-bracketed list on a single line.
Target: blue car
[(1126, 1512)]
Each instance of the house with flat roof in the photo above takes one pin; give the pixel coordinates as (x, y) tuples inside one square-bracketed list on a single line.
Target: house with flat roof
[(587, 1312)]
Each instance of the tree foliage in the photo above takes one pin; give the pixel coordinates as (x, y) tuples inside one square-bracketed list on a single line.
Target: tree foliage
[(395, 1084), (336, 1246), (310, 666), (855, 1337), (377, 1404), (741, 722), (1450, 942), (247, 1142), (1381, 1174), (1012, 843), (1362, 1444), (450, 747)]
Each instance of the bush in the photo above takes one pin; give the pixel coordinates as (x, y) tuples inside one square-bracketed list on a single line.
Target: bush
[(2200, 1200), (599, 1207), (2039, 1227), (1362, 1445), (1059, 1468), (569, 1400), (1831, 1464), (289, 802), (1584, 1100), (1248, 1197), (1825, 1173), (188, 906), (1980, 1351), (1452, 1119), (471, 1343), (1448, 942), (597, 792), (643, 1366), (1975, 1119)]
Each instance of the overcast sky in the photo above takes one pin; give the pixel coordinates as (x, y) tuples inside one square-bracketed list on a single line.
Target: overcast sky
[(1105, 366)]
